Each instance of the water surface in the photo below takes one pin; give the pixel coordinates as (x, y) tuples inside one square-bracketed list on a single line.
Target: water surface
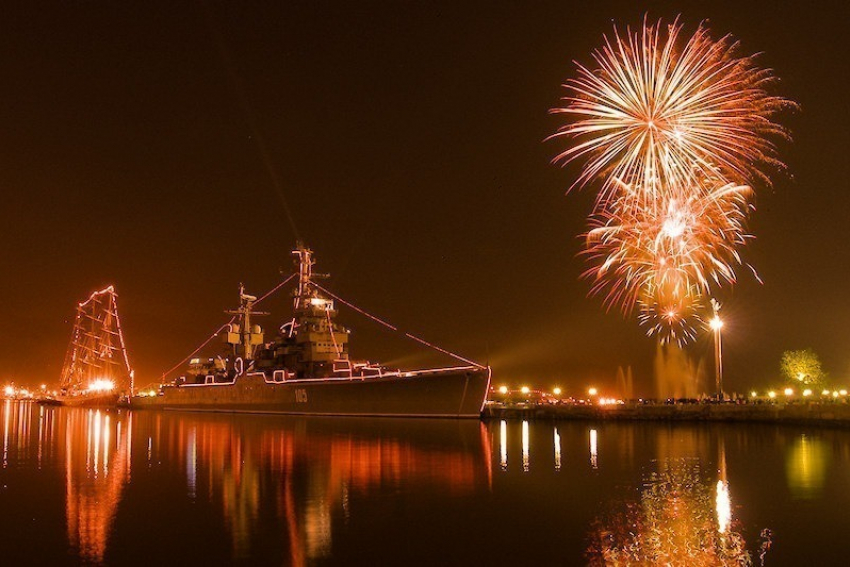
[(81, 486)]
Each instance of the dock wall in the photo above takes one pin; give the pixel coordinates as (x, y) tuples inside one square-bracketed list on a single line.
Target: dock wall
[(835, 414)]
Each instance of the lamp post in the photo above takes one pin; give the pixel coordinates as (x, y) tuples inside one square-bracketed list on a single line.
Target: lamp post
[(716, 324)]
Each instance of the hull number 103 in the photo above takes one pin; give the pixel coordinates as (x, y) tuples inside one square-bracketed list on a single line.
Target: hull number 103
[(300, 396)]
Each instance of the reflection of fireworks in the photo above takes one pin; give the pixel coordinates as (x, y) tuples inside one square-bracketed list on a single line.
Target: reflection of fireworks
[(675, 132), (676, 522)]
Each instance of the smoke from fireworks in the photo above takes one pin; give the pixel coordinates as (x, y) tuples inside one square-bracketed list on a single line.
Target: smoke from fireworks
[(675, 132)]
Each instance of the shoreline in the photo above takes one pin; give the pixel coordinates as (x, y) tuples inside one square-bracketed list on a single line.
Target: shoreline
[(796, 413)]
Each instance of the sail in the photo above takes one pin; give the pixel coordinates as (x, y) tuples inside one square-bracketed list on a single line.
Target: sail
[(97, 356)]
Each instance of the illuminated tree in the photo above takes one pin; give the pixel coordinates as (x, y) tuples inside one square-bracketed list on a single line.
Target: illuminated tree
[(802, 368)]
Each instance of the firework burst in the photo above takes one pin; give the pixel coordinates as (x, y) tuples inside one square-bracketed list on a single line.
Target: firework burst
[(674, 131), (680, 241), (657, 110)]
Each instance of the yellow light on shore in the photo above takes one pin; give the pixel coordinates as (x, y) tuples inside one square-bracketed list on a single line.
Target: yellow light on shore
[(807, 393), (503, 389), (525, 389), (842, 392), (825, 393), (557, 391), (9, 390), (753, 394), (771, 394), (834, 394), (592, 391), (789, 391)]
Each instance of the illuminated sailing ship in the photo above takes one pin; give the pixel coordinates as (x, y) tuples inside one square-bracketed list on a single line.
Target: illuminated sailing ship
[(306, 369), (96, 369)]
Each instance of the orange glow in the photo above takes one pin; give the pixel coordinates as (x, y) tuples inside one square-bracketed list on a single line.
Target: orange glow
[(716, 323)]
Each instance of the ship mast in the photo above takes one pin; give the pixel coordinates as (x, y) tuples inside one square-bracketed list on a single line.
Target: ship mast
[(244, 334), (306, 286)]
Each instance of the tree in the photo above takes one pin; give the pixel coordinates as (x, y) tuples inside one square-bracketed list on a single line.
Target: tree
[(802, 368)]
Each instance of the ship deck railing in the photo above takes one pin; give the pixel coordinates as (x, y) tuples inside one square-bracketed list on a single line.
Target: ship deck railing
[(288, 379)]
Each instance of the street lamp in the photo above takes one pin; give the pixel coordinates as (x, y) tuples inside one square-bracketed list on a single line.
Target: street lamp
[(716, 324)]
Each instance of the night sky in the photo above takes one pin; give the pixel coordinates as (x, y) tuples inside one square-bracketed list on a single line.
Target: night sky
[(162, 147)]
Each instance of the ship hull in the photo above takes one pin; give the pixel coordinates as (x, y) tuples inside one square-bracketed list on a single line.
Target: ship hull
[(86, 400), (454, 392)]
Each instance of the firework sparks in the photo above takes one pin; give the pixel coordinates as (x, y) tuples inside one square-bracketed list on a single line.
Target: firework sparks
[(655, 113), (675, 132)]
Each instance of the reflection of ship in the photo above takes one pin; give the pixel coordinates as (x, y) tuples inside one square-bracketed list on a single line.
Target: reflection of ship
[(307, 370), (284, 485), (96, 370), (97, 467)]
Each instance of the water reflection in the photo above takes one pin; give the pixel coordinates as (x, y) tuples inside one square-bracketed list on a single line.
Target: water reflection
[(97, 467), (525, 447), (594, 457), (806, 466), (173, 488), (678, 519), (557, 440), (503, 445), (298, 475)]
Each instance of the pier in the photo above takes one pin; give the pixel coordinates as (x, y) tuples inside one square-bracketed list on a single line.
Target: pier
[(799, 413)]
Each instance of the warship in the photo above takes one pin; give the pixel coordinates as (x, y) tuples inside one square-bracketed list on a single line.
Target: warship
[(306, 369)]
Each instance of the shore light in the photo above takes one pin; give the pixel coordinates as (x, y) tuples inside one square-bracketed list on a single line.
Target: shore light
[(557, 391), (771, 394), (525, 389), (789, 391), (753, 394), (716, 324), (807, 392), (592, 391), (503, 389)]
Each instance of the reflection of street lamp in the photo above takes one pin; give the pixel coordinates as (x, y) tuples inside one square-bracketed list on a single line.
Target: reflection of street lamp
[(716, 324)]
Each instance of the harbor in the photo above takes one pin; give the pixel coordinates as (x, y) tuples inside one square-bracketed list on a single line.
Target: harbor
[(830, 414), (317, 284)]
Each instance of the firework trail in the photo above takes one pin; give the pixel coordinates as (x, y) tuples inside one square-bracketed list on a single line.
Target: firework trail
[(675, 131)]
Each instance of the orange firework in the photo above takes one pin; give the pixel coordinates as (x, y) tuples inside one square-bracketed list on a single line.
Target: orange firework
[(657, 111), (677, 240), (675, 132)]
